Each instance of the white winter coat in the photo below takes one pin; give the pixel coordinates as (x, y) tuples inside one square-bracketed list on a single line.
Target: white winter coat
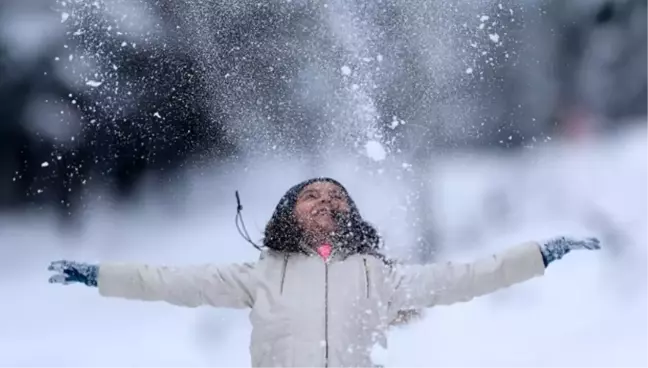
[(306, 312)]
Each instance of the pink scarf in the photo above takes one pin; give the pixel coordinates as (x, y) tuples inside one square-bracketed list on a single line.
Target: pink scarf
[(324, 250)]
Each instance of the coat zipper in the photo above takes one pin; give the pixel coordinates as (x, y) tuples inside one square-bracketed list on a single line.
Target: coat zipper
[(283, 274), (367, 283), (326, 307), (326, 331)]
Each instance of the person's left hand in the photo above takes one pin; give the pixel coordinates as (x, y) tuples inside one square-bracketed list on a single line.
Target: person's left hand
[(556, 248)]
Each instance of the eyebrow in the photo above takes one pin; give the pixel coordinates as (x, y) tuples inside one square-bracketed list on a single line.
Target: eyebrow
[(332, 191), (306, 192)]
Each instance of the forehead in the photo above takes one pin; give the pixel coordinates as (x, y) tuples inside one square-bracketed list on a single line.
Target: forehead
[(321, 186)]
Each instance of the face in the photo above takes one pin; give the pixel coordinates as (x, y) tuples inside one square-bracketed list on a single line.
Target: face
[(316, 206)]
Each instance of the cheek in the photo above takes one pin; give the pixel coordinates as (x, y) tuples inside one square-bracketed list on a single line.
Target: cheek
[(301, 214), (343, 206)]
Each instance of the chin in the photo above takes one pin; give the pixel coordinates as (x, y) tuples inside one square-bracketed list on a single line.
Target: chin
[(325, 226)]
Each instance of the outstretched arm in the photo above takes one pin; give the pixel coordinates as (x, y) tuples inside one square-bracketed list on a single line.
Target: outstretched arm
[(420, 286), (191, 286)]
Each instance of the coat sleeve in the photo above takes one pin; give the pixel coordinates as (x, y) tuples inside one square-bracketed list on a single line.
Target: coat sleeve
[(228, 286), (421, 286)]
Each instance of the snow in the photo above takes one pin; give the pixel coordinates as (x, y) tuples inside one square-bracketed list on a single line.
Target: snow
[(396, 122), (93, 83), (588, 310), (375, 150)]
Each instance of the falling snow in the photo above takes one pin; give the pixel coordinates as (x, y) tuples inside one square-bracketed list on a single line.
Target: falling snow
[(375, 151), (280, 91), (395, 122), (93, 83)]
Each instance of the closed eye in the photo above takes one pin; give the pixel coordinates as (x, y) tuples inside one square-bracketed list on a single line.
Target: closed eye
[(309, 195), (337, 195)]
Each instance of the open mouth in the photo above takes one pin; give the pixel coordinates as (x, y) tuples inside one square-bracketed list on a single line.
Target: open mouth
[(322, 211)]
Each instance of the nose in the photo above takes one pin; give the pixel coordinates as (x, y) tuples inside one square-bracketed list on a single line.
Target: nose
[(326, 198)]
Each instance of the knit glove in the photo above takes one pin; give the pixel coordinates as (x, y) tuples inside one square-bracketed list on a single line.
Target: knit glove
[(68, 272), (556, 248)]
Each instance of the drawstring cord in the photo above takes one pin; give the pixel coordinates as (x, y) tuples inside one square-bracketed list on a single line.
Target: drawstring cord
[(240, 224)]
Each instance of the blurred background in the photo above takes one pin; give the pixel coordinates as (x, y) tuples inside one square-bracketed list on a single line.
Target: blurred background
[(127, 125)]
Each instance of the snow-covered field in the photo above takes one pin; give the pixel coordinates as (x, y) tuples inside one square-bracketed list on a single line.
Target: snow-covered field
[(589, 309)]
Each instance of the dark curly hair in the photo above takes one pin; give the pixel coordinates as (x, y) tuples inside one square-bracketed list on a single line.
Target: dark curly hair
[(283, 233)]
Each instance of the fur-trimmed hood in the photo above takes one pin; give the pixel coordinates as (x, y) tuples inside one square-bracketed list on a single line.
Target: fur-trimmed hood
[(283, 234)]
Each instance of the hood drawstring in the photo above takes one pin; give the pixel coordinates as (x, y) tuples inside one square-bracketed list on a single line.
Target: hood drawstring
[(241, 227)]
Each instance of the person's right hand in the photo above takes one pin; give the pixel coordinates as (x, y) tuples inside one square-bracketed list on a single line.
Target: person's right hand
[(68, 272)]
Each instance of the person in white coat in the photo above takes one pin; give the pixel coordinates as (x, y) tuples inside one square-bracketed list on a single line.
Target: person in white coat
[(321, 294)]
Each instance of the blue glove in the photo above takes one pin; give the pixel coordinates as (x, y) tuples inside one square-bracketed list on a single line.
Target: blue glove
[(556, 248), (69, 272)]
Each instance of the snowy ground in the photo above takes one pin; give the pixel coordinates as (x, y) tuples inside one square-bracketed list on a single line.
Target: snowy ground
[(589, 309)]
